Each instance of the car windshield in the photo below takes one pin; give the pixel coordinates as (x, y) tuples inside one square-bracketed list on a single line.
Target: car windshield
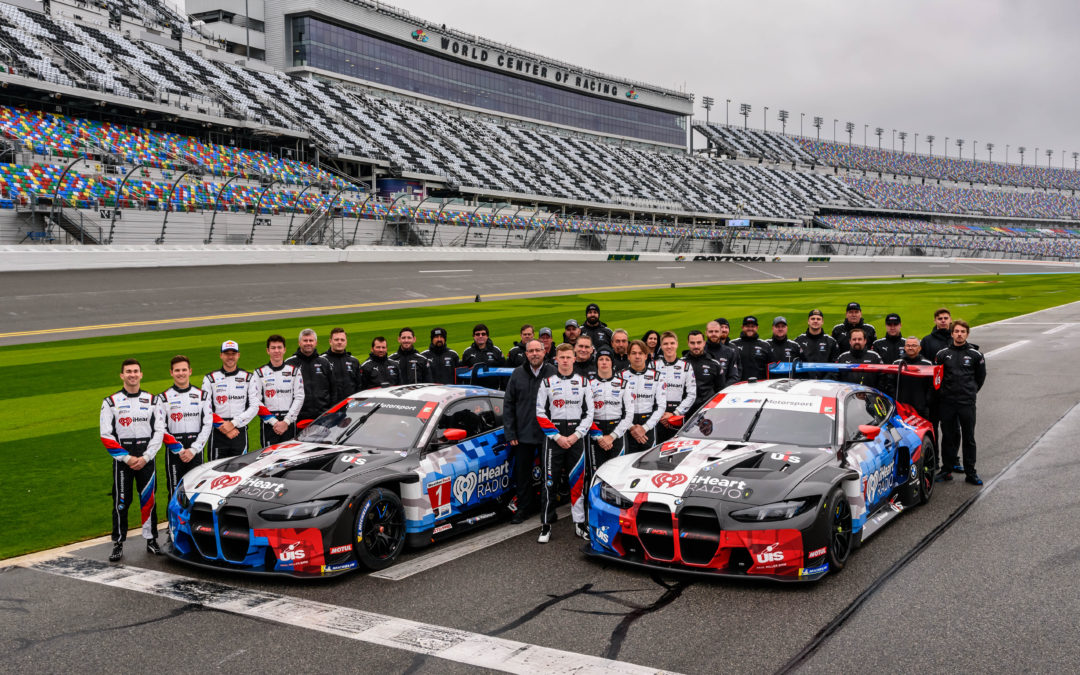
[(378, 423), (775, 425)]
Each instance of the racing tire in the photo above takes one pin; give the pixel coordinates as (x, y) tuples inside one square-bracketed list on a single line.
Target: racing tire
[(841, 539), (380, 529), (927, 471)]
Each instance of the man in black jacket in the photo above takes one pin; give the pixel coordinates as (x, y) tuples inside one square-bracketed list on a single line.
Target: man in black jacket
[(379, 370), (319, 390), (584, 357), (443, 360), (594, 328), (852, 319), (817, 345), (719, 347), (516, 356), (620, 350), (965, 373), (345, 368), (859, 354), (413, 367), (891, 347), (482, 351), (549, 345), (754, 353), (915, 391), (520, 426), (708, 373), (784, 350), (939, 338)]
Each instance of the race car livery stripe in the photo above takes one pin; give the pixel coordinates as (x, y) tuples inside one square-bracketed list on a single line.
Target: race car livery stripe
[(715, 401), (547, 426), (426, 411), (339, 406), (265, 415), (303, 424), (171, 444)]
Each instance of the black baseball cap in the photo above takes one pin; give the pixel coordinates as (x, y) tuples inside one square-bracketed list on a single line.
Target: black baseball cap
[(591, 306), (853, 306), (750, 320), (605, 351), (723, 322), (815, 312), (892, 318), (438, 332)]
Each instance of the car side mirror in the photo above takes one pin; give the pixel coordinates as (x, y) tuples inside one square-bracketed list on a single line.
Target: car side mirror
[(454, 435), (675, 420), (867, 432)]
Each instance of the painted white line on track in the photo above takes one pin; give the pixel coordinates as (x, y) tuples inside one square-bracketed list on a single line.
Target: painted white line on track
[(1060, 328), (676, 267), (451, 644), (449, 553), (439, 271), (809, 266), (1006, 348), (754, 269)]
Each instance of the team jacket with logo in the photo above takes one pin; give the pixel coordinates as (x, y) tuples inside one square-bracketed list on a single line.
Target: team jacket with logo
[(131, 426), (681, 384), (280, 390), (648, 394), (965, 372), (820, 348), (612, 402), (563, 401), (232, 395), (187, 417)]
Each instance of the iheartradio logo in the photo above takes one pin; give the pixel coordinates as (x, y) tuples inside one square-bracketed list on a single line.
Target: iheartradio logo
[(668, 479), (228, 480), (558, 403)]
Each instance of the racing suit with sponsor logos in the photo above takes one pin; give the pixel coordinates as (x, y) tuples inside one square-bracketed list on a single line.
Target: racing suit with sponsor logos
[(564, 406), (131, 427), (188, 422), (443, 364), (648, 396), (681, 392), (281, 396), (232, 399), (612, 415)]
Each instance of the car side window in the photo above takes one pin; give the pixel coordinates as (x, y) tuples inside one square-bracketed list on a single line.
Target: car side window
[(860, 409), (474, 415), (497, 411), (882, 408)]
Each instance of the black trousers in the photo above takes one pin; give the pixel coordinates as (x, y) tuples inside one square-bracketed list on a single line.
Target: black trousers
[(598, 454), (524, 455), (664, 432), (267, 436), (650, 440), (957, 427), (221, 446), (125, 483), (176, 468)]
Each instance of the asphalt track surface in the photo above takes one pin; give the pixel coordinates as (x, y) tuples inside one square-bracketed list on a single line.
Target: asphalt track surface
[(980, 579), (44, 306)]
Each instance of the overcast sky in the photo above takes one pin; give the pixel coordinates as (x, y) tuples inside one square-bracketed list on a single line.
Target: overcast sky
[(985, 70)]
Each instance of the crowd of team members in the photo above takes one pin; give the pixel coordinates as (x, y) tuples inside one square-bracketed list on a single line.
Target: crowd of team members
[(596, 384)]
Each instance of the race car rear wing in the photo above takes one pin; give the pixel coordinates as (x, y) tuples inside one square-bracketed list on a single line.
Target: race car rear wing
[(798, 367), (473, 373)]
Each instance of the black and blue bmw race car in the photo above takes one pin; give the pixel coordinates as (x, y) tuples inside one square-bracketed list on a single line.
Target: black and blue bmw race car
[(383, 469)]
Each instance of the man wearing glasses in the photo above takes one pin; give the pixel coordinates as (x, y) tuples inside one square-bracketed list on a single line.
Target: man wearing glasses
[(482, 351)]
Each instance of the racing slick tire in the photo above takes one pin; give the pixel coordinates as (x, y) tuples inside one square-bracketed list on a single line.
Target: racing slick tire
[(380, 529), (927, 471), (841, 539)]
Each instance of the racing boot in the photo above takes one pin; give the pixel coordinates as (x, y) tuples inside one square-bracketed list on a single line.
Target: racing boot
[(117, 552), (152, 547)]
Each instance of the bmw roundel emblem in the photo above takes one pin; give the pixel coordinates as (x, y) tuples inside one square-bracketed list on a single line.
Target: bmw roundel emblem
[(678, 501), (221, 501)]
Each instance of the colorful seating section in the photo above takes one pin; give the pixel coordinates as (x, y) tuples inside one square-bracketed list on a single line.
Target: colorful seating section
[(917, 226)]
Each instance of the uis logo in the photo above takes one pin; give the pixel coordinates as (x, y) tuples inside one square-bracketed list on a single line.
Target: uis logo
[(631, 94), (419, 35)]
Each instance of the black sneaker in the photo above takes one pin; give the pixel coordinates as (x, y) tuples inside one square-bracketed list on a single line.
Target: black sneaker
[(117, 552), (152, 547), (518, 518), (581, 530), (944, 476), (545, 534), (974, 479), (957, 468)]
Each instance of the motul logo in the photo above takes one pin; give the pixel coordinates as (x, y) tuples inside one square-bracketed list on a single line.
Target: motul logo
[(558, 403), (125, 421), (668, 479), (176, 417), (224, 481), (270, 393)]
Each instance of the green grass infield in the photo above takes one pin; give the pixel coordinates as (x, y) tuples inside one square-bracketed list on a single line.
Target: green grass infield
[(55, 476)]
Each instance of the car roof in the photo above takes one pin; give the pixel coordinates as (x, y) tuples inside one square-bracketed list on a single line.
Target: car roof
[(798, 387), (436, 393)]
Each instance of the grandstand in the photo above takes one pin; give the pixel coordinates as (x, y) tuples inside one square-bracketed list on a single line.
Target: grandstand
[(124, 121)]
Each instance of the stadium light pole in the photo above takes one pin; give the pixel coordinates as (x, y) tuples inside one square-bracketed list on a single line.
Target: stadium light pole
[(915, 145), (1049, 158), (946, 147), (1006, 153), (894, 140), (727, 111), (930, 142), (974, 147), (707, 103), (850, 129), (765, 118), (990, 151), (744, 110), (903, 141), (802, 116), (1036, 156), (960, 148), (1021, 150), (783, 117), (1076, 156), (834, 121), (817, 125), (878, 131)]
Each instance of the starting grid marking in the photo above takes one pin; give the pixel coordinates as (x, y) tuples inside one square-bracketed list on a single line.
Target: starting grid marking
[(459, 646)]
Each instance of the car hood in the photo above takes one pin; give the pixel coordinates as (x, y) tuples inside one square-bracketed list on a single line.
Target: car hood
[(285, 473), (750, 473)]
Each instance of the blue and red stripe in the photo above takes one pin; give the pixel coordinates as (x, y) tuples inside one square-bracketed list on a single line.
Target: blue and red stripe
[(547, 426)]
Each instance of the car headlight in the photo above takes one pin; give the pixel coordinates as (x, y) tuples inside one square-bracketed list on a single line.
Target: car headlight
[(776, 511), (612, 496), (303, 510), (182, 497)]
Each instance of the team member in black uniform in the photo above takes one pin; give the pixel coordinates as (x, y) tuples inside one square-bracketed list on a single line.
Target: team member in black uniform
[(549, 345), (648, 395), (681, 389), (858, 354), (620, 346), (413, 366), (939, 338), (185, 412), (516, 356), (891, 347), (279, 387), (816, 345), (852, 318), (233, 400), (708, 373), (965, 373), (482, 351), (783, 349), (584, 359), (718, 347), (564, 410), (915, 391), (378, 370), (594, 328), (443, 360), (344, 367), (754, 353), (571, 332), (520, 425), (613, 411), (132, 431), (319, 393)]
